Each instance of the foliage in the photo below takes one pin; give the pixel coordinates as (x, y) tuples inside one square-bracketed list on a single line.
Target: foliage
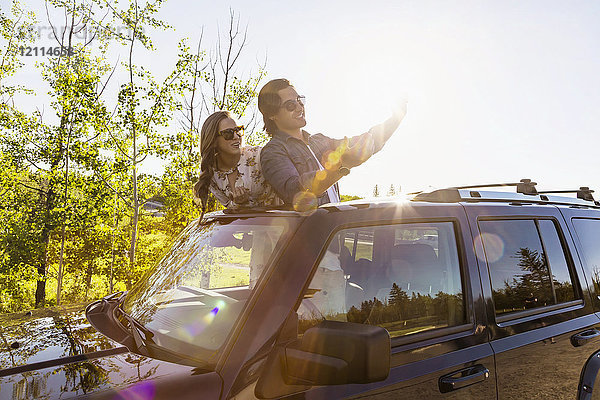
[(75, 196), (18, 233), (17, 30), (402, 310), (376, 191), (532, 288), (391, 191), (348, 197)]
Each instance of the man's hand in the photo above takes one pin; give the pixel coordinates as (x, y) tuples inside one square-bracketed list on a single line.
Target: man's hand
[(240, 195), (360, 152)]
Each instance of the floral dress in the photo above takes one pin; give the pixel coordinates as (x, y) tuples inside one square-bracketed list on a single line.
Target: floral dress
[(250, 177)]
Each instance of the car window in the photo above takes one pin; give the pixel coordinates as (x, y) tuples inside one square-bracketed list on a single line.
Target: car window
[(588, 232), (410, 283), (190, 300), (358, 244), (527, 264)]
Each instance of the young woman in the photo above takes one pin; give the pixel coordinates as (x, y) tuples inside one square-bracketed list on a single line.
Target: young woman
[(229, 170)]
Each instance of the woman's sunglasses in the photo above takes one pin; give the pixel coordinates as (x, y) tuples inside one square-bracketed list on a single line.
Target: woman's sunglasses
[(229, 133), (291, 105)]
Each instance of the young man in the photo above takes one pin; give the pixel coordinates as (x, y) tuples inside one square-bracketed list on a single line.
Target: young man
[(302, 168)]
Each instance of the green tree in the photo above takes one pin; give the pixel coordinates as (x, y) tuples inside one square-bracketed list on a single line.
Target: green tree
[(391, 191), (75, 81), (532, 288), (398, 297), (398, 301), (16, 30), (73, 187), (57, 155), (348, 197), (19, 250), (144, 105)]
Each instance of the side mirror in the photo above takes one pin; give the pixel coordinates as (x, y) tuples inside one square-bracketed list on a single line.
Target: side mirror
[(336, 353), (101, 315)]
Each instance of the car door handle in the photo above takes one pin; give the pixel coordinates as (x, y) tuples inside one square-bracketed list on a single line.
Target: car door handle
[(464, 377), (585, 337)]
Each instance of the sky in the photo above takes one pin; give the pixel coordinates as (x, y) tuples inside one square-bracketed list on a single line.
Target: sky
[(497, 90)]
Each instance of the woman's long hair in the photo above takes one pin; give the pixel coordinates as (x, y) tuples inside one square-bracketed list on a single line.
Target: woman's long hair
[(208, 151)]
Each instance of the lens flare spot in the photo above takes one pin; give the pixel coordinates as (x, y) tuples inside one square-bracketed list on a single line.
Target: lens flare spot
[(304, 201), (145, 390), (332, 159), (208, 318), (192, 330), (493, 245), (320, 175)]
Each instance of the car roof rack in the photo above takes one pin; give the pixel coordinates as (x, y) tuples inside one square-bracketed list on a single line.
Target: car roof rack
[(583, 192), (525, 186), (525, 193)]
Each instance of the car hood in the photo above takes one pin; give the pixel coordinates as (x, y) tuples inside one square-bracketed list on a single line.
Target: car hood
[(57, 353)]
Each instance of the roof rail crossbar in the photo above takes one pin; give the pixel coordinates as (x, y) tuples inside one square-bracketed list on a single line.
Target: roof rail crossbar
[(526, 194), (584, 193), (525, 186)]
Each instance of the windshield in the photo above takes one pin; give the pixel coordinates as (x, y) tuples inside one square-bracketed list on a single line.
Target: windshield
[(191, 299)]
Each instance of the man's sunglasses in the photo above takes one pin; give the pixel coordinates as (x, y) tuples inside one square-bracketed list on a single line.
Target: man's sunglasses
[(291, 105), (229, 133)]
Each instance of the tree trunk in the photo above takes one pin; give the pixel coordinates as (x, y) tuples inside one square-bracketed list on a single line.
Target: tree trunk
[(88, 279), (112, 248), (40, 291), (60, 266), (63, 125), (134, 159), (136, 209)]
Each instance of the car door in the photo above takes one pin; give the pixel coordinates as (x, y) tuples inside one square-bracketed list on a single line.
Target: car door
[(542, 325), (415, 277), (584, 225)]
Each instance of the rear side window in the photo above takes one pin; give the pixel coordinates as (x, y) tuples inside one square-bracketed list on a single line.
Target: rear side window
[(527, 264), (588, 232)]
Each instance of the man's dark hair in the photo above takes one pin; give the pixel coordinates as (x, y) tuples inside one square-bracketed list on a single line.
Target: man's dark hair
[(269, 102)]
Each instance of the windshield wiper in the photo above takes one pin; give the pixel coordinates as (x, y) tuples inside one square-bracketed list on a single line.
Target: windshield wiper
[(102, 315), (105, 315), (136, 329)]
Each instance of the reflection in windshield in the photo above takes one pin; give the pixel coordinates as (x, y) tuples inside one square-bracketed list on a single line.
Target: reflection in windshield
[(195, 293)]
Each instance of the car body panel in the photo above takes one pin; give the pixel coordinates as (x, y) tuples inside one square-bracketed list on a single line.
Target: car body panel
[(532, 356), (444, 354), (524, 345), (63, 356), (569, 213)]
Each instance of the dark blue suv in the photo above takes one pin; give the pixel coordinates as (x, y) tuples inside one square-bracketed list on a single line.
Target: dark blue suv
[(457, 293)]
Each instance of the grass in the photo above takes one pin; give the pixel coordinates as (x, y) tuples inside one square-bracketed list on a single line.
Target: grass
[(238, 256), (230, 276)]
